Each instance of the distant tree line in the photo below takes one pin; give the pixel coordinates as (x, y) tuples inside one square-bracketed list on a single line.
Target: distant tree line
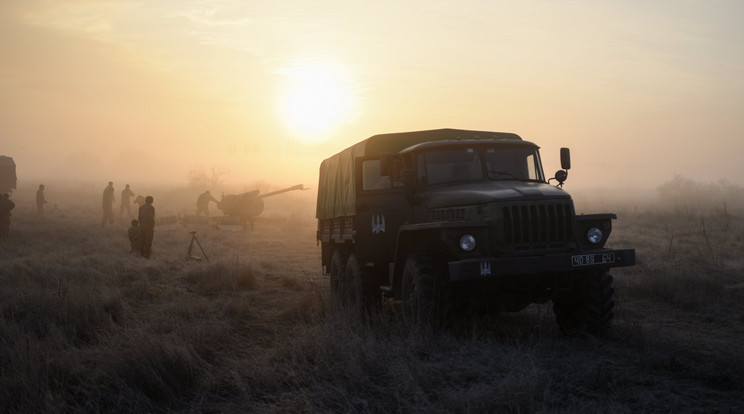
[(686, 195), (200, 176)]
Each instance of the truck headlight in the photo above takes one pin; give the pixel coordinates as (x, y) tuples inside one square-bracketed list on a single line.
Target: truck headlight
[(594, 235), (467, 242)]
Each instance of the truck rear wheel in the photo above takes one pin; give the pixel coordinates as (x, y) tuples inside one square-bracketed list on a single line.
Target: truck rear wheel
[(362, 290), (338, 266), (588, 307), (421, 292)]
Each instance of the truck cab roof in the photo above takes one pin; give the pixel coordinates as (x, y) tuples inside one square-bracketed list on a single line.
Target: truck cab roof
[(395, 142), (512, 142)]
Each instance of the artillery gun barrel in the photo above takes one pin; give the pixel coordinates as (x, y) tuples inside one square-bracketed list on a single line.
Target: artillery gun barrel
[(284, 190)]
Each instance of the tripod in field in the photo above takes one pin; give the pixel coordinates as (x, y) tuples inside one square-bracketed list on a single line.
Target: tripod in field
[(191, 247)]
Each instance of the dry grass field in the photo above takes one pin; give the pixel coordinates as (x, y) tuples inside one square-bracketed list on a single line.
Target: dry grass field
[(87, 327)]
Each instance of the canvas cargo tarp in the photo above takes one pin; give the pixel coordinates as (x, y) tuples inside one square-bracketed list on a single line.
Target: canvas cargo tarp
[(336, 189), (7, 174)]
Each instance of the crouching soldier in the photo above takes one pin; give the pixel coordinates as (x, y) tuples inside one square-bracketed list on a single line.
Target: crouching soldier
[(135, 237)]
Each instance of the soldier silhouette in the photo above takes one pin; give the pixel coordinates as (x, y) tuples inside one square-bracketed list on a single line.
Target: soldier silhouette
[(147, 224), (126, 194), (108, 204), (202, 203), (6, 204), (40, 201), (135, 237)]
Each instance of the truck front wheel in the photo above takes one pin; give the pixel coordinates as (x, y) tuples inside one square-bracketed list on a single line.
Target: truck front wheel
[(587, 308), (421, 292)]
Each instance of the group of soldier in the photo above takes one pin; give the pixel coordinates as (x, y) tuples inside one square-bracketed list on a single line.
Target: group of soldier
[(140, 233), (109, 199), (142, 228)]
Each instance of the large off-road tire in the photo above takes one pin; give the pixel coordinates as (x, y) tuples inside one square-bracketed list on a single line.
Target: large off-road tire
[(588, 307), (422, 292), (338, 287), (363, 293)]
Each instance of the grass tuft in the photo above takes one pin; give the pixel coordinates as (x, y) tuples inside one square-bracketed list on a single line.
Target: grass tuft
[(223, 277)]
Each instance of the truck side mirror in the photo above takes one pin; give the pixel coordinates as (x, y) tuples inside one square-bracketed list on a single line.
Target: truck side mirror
[(565, 158)]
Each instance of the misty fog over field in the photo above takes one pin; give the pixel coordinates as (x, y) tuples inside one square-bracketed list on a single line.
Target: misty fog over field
[(678, 193), (179, 97), (143, 93)]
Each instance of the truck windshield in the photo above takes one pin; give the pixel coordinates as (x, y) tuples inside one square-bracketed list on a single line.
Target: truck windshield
[(471, 164)]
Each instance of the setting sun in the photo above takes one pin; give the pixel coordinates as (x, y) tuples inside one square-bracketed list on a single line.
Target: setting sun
[(316, 98)]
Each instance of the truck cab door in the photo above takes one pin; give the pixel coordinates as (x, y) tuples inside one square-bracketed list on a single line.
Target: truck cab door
[(381, 208)]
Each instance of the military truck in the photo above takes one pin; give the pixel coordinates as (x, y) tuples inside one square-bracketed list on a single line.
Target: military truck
[(445, 221)]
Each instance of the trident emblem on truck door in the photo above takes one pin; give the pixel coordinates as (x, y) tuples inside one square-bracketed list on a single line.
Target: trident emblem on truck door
[(378, 224), (485, 269)]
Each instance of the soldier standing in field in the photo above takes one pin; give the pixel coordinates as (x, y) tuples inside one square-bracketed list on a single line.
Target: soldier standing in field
[(40, 201), (5, 206), (108, 204), (126, 194), (147, 226)]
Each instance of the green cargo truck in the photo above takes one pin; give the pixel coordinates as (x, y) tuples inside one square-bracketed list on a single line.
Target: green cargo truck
[(445, 220)]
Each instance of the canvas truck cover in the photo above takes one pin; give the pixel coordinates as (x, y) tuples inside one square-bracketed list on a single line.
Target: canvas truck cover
[(7, 174), (336, 189)]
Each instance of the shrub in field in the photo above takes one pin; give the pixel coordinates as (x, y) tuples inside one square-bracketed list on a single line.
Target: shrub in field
[(163, 368), (41, 296), (685, 260), (222, 277)]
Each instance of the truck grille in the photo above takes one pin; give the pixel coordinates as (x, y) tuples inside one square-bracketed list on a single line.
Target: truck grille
[(538, 226)]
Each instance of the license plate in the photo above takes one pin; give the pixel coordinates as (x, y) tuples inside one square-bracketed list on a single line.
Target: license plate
[(592, 259)]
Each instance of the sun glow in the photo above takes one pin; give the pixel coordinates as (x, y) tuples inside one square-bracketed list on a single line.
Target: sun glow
[(316, 99)]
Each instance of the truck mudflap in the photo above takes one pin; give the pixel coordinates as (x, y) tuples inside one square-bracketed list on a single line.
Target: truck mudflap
[(488, 267)]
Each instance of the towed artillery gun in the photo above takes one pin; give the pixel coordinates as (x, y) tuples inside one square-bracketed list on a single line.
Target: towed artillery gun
[(249, 205)]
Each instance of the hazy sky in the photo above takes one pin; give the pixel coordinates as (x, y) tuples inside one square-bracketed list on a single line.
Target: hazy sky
[(122, 90)]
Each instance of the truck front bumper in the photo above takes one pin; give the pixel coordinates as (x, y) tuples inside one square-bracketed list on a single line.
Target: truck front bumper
[(493, 267)]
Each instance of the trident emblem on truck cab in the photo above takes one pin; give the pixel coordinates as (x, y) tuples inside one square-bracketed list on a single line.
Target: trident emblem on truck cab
[(485, 269), (378, 224)]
